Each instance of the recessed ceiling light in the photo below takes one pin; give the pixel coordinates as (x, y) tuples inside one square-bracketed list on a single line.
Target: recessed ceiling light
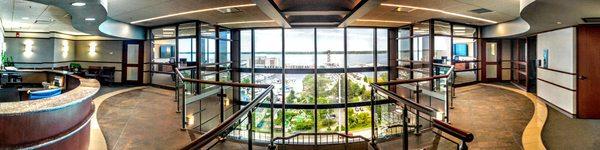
[(558, 22), (78, 4), (25, 18), (90, 19)]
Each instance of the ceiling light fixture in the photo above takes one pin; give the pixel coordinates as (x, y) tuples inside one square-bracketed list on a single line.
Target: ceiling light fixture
[(384, 21), (246, 22), (191, 12), (78, 4), (440, 11), (25, 18), (90, 19)]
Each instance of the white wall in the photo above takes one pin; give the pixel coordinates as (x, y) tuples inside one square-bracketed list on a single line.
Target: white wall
[(561, 46)]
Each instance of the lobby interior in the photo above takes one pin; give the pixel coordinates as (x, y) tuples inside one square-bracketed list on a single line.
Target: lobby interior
[(299, 74)]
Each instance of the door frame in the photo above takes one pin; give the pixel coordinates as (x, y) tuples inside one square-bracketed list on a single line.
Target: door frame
[(484, 62), (140, 64)]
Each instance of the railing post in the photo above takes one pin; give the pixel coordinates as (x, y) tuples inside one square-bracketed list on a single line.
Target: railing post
[(446, 103), (272, 146), (405, 128), (463, 146), (373, 128), (222, 108), (177, 92), (418, 100), (250, 126), (183, 119)]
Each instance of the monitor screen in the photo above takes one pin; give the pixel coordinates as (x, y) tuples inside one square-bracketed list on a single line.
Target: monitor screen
[(461, 49)]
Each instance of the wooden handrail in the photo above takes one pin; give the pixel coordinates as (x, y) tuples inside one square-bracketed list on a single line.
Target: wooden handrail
[(456, 132)]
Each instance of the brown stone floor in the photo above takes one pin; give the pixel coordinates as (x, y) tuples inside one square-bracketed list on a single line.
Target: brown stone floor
[(146, 119), (496, 117), (142, 119)]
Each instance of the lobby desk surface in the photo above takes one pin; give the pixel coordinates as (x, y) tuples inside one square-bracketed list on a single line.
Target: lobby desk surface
[(86, 89)]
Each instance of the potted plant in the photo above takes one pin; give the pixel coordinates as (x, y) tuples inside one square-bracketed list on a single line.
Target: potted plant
[(75, 67)]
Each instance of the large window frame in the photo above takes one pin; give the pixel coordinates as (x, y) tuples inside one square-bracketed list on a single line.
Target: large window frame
[(315, 71)]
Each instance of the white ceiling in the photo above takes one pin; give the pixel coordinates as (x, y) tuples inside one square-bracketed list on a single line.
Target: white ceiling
[(14, 14)]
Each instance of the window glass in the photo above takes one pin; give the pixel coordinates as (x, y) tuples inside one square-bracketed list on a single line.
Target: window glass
[(330, 48), (382, 47), (300, 48), (165, 32), (464, 31), (187, 29), (441, 28), (246, 49), (360, 47), (268, 48), (207, 30), (187, 50)]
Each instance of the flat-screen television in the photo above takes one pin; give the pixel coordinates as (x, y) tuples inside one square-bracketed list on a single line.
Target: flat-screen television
[(461, 49)]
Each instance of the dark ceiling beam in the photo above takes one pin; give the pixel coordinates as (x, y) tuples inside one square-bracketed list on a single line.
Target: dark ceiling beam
[(364, 7), (315, 13), (268, 7)]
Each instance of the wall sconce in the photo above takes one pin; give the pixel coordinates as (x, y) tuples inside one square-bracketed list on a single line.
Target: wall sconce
[(189, 120), (226, 101), (28, 48), (93, 48), (65, 48)]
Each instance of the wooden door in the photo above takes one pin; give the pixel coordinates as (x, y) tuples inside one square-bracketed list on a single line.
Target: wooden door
[(133, 57), (491, 60), (588, 71)]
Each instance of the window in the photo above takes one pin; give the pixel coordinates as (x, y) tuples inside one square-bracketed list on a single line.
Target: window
[(246, 49), (382, 47), (268, 46), (330, 48), (300, 48), (360, 47)]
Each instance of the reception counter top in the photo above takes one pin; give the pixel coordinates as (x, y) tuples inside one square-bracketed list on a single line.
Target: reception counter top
[(59, 122)]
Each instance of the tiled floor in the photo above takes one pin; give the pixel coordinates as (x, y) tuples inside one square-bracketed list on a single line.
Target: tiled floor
[(142, 119)]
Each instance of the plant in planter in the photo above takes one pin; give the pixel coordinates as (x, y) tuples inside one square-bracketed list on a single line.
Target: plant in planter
[(8, 61), (75, 67)]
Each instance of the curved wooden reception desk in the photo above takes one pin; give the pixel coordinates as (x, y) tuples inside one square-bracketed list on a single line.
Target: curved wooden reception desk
[(59, 122)]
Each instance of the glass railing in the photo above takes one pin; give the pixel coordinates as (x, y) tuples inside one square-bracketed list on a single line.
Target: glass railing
[(422, 108), (210, 116)]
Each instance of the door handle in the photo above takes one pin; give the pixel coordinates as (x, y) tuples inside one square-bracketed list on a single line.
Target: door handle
[(581, 77)]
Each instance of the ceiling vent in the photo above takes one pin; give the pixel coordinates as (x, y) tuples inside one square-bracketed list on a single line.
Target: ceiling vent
[(591, 20), (229, 10), (481, 11)]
